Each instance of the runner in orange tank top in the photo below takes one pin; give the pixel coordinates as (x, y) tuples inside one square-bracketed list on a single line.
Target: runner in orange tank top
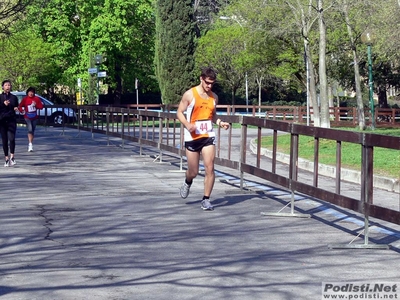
[(199, 103)]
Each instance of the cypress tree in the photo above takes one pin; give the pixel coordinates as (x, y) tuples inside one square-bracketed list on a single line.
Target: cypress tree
[(174, 48)]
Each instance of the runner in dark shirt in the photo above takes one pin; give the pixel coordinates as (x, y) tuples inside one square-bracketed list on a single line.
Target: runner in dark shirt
[(8, 122)]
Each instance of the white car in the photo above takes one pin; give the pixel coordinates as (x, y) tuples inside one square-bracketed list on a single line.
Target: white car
[(55, 115)]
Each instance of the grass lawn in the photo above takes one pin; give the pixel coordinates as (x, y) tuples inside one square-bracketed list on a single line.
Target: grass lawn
[(386, 161)]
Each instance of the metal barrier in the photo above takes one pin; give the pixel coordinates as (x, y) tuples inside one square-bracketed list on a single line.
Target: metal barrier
[(164, 132)]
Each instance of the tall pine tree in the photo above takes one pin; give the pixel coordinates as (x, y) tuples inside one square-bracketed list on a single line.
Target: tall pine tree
[(174, 48)]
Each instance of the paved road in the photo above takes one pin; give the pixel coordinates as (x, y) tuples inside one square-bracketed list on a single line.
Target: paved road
[(85, 218)]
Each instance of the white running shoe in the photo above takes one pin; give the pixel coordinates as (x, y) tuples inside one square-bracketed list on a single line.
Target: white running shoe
[(30, 147), (206, 205), (7, 163), (184, 191), (12, 162)]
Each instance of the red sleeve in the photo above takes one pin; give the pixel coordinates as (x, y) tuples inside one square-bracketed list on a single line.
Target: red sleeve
[(39, 103), (22, 104)]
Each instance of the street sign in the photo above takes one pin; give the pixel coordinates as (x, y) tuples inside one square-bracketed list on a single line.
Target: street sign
[(92, 70), (102, 74)]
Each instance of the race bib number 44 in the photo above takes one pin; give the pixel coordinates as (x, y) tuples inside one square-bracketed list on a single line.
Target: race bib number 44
[(204, 127)]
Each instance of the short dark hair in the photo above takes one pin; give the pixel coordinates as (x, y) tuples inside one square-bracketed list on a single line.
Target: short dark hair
[(31, 89), (5, 81), (208, 72)]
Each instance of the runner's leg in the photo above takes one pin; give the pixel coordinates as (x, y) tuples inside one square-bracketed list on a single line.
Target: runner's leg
[(208, 154), (193, 159), (4, 138)]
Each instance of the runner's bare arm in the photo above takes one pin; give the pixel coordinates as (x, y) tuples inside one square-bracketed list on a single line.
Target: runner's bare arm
[(185, 101), (216, 119)]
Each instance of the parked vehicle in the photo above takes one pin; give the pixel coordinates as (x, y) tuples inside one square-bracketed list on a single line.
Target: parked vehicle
[(55, 115)]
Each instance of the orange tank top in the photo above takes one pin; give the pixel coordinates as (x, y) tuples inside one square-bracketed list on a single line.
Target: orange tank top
[(200, 112)]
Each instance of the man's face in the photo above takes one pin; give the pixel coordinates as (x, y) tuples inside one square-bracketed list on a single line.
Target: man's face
[(207, 83), (7, 87)]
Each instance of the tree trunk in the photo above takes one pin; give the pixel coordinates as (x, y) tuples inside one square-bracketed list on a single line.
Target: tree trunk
[(312, 89), (118, 88), (330, 96), (337, 94), (360, 104), (233, 101), (304, 16), (306, 24), (259, 83), (323, 87), (357, 78), (382, 97)]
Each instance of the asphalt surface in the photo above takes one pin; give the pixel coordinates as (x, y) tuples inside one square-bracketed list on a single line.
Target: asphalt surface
[(85, 217)]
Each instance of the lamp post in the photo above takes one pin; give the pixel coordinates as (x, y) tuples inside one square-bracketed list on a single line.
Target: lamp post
[(98, 58), (368, 39), (246, 80), (137, 92)]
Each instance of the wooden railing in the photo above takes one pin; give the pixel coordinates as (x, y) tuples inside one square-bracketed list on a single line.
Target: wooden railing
[(161, 130), (339, 116)]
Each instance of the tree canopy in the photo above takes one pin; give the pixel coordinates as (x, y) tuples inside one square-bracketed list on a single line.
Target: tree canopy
[(174, 48), (285, 44), (121, 31), (28, 61)]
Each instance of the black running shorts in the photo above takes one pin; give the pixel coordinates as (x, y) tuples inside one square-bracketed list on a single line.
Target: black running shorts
[(199, 144)]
